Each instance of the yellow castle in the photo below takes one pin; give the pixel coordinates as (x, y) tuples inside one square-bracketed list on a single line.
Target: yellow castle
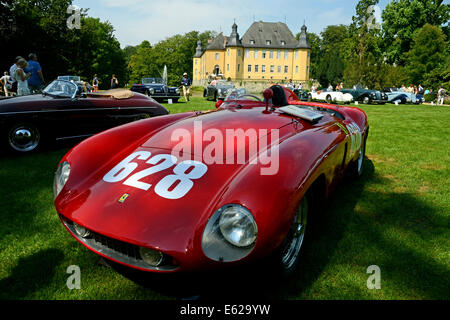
[(268, 51)]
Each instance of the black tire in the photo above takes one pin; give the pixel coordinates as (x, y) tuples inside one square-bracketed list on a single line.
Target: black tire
[(215, 96), (24, 137), (328, 99), (356, 169), (287, 257), (204, 94), (147, 93), (309, 97), (175, 100)]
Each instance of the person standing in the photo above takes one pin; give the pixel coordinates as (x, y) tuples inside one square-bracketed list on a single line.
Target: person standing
[(114, 82), (95, 83), (186, 84), (36, 81), (22, 77), (441, 96), (12, 73), (5, 82)]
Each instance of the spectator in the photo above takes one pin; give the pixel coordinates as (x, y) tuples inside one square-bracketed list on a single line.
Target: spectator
[(441, 96), (5, 82), (300, 86), (36, 81), (95, 83), (12, 72), (114, 82), (330, 87), (420, 90), (22, 77), (186, 84)]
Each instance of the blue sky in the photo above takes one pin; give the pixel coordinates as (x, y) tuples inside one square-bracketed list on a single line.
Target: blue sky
[(138, 20)]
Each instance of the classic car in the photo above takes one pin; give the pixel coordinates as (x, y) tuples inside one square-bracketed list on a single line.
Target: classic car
[(367, 96), (83, 86), (330, 96), (157, 89), (219, 91), (303, 95), (159, 198), (62, 112), (400, 96)]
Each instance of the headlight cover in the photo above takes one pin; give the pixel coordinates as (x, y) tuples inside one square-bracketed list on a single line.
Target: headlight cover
[(61, 177), (230, 234)]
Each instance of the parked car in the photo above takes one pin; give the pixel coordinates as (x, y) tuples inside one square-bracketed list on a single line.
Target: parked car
[(303, 95), (143, 203), (219, 91), (83, 86), (62, 112), (330, 96), (400, 96), (157, 89), (367, 96)]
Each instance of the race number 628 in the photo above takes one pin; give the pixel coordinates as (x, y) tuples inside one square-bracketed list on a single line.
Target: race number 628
[(173, 186)]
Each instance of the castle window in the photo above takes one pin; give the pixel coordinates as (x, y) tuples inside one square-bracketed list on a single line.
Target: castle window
[(264, 54), (271, 54), (286, 54), (256, 54), (252, 41), (228, 67), (286, 69), (296, 69), (228, 52), (283, 43), (272, 69), (217, 56), (279, 54), (247, 53), (296, 54), (249, 69), (279, 69), (239, 52), (256, 68), (268, 42), (263, 68), (239, 67)]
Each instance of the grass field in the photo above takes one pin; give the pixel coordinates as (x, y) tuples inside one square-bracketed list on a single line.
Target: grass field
[(395, 217)]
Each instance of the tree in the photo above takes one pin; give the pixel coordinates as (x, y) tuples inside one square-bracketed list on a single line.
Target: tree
[(427, 61), (401, 18)]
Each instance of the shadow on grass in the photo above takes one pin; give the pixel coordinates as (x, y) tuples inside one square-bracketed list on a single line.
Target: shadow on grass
[(31, 274)]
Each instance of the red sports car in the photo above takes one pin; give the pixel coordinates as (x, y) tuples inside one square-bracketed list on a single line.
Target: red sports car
[(203, 190), (64, 110)]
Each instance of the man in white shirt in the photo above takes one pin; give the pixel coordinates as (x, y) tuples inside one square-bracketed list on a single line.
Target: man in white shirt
[(5, 83)]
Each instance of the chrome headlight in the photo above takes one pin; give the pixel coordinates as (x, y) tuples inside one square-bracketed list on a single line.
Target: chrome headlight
[(230, 234), (177, 90), (61, 177), (151, 90), (219, 91)]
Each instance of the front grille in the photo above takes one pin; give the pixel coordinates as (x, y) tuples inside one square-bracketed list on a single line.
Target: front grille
[(118, 250)]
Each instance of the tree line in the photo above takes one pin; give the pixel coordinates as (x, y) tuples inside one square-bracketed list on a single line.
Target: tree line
[(411, 46)]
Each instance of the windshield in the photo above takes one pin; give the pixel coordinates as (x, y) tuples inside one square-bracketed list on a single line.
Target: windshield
[(152, 80), (61, 88), (70, 78)]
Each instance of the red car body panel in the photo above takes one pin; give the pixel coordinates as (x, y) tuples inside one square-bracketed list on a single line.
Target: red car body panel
[(307, 151)]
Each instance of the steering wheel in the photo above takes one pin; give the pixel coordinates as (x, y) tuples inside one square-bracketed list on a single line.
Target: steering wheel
[(249, 96)]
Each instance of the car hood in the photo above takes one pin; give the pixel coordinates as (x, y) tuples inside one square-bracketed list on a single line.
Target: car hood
[(146, 218), (24, 103)]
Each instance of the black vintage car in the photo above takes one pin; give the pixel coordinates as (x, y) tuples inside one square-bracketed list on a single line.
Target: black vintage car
[(63, 112), (303, 95), (367, 96), (157, 89), (218, 91)]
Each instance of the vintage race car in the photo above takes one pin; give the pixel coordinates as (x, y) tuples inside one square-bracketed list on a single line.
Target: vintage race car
[(330, 96), (64, 111), (157, 89), (219, 91), (399, 96), (204, 190)]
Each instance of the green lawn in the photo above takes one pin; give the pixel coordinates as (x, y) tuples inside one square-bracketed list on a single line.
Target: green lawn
[(396, 217)]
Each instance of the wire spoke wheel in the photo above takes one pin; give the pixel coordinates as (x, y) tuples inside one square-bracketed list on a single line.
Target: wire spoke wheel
[(294, 240)]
